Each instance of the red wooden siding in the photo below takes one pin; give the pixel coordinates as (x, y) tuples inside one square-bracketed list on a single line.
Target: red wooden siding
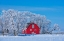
[(32, 29)]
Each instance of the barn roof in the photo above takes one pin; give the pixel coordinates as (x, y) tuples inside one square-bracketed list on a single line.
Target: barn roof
[(31, 23)]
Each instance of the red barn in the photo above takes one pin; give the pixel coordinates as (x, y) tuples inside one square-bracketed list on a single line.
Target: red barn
[(32, 28)]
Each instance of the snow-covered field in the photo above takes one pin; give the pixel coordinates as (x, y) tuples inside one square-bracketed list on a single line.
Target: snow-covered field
[(46, 37)]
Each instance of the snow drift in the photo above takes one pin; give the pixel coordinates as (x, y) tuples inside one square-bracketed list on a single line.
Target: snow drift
[(43, 37)]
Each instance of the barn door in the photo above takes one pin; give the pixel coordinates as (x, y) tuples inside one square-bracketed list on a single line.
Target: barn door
[(33, 29)]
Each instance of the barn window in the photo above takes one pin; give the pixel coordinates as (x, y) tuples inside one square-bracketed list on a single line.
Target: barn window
[(30, 29), (32, 25), (32, 32)]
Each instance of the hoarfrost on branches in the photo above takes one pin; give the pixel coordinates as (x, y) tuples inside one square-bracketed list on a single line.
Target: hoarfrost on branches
[(15, 21)]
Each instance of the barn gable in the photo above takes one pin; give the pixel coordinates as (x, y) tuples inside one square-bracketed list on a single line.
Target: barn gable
[(32, 28)]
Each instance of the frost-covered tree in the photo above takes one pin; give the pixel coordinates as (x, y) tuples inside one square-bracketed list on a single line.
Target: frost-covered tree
[(1, 25), (56, 27), (15, 21), (9, 20)]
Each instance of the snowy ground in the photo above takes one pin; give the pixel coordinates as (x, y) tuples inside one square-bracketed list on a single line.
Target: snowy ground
[(46, 37)]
